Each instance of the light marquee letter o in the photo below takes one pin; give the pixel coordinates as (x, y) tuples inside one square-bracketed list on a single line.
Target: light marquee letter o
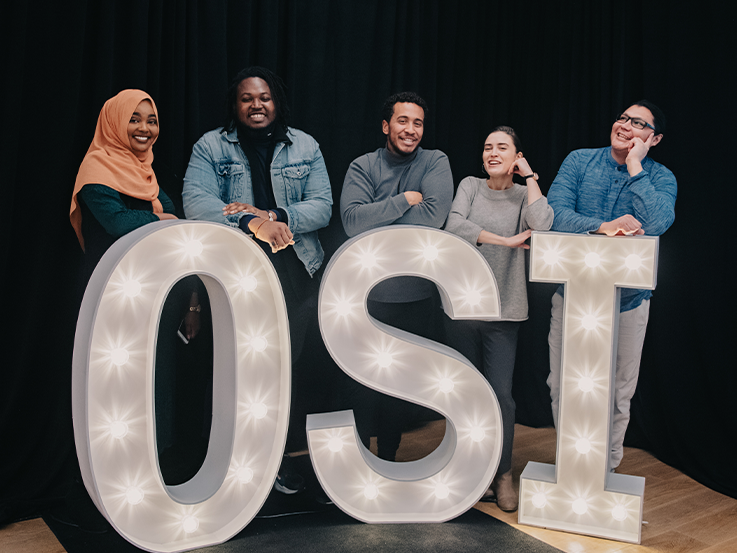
[(452, 478), (113, 382)]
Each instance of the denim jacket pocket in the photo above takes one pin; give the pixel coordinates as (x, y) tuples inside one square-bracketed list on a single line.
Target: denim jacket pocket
[(231, 177), (295, 177)]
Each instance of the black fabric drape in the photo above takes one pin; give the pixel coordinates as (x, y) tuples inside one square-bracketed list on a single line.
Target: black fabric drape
[(556, 71)]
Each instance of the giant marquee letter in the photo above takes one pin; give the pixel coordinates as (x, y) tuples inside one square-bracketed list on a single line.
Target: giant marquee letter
[(583, 496), (452, 478), (113, 382)]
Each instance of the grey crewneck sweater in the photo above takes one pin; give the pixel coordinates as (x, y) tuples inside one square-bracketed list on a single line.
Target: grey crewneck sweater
[(504, 212)]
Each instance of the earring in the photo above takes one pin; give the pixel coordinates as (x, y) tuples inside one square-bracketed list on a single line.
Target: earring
[(483, 167)]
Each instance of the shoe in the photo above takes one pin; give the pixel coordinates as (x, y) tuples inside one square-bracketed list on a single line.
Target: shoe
[(502, 493), (288, 481)]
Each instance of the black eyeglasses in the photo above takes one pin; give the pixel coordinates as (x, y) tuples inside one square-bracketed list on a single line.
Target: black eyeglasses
[(636, 122)]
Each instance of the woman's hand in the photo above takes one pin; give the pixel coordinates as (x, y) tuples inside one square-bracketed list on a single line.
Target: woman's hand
[(274, 233), (518, 240), (165, 216), (520, 167), (237, 207)]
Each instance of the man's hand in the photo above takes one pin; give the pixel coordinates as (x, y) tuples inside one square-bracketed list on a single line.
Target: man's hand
[(637, 152), (413, 198), (274, 233), (625, 225), (237, 207)]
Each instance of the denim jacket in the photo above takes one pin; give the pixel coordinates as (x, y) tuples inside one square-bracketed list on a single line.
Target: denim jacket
[(218, 174)]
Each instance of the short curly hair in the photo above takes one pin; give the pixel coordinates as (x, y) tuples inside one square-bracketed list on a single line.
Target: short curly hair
[(404, 98)]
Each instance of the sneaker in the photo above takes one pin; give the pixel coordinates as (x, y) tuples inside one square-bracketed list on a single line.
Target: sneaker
[(288, 481)]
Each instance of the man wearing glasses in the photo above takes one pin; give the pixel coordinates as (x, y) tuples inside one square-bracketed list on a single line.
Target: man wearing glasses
[(617, 191)]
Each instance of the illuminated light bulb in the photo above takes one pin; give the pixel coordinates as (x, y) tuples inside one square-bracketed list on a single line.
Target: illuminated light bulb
[(371, 491), (248, 283), (190, 524), (539, 500), (258, 410), (441, 491), (368, 260), (132, 288), (430, 253), (633, 261), (477, 434), (134, 495), (244, 475), (583, 445), (343, 308), (193, 247), (446, 385), (119, 356), (259, 343), (619, 513), (335, 444), (118, 429), (580, 506), (589, 322), (592, 260), (551, 257), (586, 384), (384, 359), (473, 297)]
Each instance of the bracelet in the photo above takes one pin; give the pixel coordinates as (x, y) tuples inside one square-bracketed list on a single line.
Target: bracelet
[(195, 308), (255, 232), (532, 176)]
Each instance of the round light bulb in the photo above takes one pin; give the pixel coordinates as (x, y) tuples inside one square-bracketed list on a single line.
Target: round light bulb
[(441, 491), (132, 288), (119, 356), (244, 475), (134, 495), (343, 308), (446, 385), (539, 500), (619, 513), (588, 322), (368, 260), (633, 261), (473, 297), (190, 524), (583, 445), (193, 247), (430, 253), (551, 257), (258, 410), (585, 383), (259, 343), (371, 491), (477, 434), (384, 359), (592, 260), (118, 429), (248, 283), (335, 444), (580, 506)]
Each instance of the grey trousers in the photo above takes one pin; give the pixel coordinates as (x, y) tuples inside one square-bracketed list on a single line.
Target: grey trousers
[(632, 326)]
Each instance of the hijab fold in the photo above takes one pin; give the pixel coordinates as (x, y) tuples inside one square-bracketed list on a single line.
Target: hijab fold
[(111, 161)]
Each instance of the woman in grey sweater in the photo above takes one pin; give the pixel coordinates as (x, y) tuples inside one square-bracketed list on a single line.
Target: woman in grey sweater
[(498, 216)]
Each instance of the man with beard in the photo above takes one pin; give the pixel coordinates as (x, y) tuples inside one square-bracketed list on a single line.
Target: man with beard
[(399, 184)]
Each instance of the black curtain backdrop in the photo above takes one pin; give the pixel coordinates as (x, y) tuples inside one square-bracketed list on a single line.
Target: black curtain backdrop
[(557, 71)]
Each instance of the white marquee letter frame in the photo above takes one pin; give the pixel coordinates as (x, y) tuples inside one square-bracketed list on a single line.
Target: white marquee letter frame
[(579, 494), (451, 479), (113, 382)]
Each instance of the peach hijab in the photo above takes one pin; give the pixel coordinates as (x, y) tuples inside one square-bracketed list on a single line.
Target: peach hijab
[(110, 160)]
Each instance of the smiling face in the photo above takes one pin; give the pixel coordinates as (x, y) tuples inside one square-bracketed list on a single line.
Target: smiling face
[(253, 103), (404, 130), (143, 129), (499, 154), (623, 133)]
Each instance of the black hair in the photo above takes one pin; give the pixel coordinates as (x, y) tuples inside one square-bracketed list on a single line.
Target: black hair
[(510, 131), (658, 115), (404, 98), (278, 95)]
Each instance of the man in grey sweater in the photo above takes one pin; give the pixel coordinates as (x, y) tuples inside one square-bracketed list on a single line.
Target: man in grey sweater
[(400, 184)]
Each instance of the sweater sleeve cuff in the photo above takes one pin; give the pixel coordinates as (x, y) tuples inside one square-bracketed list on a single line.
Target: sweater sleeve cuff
[(243, 222)]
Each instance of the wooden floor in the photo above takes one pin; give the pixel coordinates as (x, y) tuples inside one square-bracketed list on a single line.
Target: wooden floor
[(682, 516)]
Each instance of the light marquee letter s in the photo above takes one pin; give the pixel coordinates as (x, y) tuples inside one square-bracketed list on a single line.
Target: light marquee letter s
[(451, 479), (583, 496), (113, 377)]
